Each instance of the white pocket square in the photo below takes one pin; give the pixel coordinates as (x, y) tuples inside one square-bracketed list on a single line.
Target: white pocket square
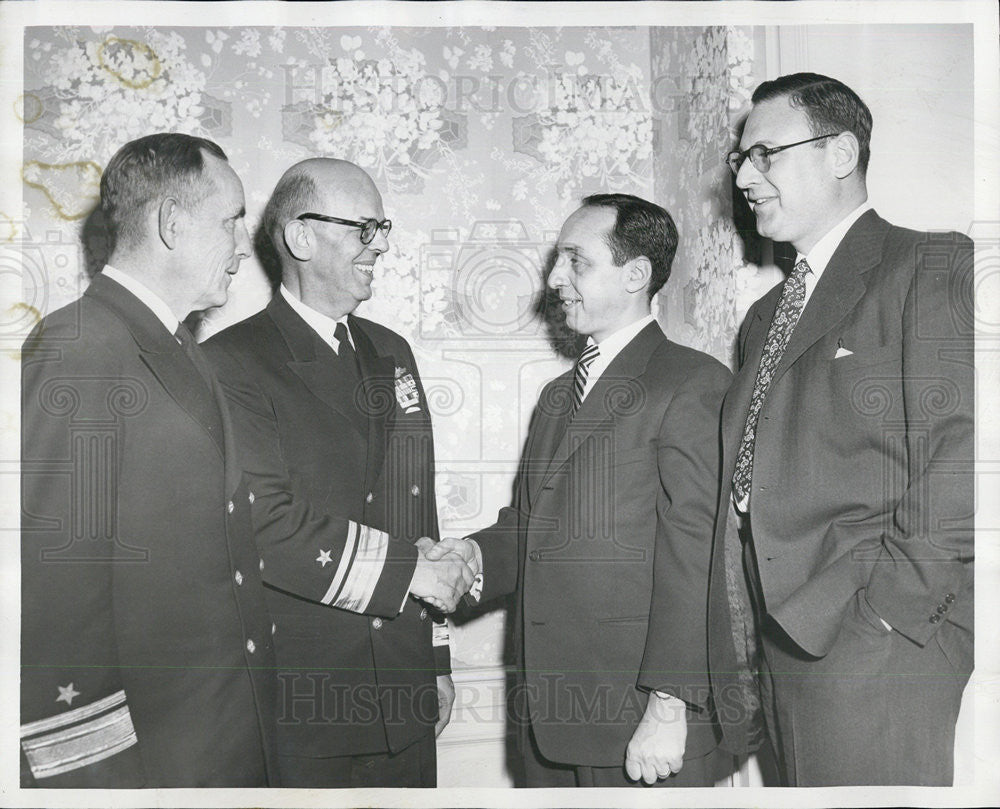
[(842, 352)]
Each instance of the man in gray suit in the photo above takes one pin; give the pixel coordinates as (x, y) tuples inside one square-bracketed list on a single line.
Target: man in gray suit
[(847, 464)]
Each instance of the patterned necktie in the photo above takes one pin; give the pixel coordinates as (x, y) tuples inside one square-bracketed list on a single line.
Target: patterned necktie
[(786, 315), (589, 354)]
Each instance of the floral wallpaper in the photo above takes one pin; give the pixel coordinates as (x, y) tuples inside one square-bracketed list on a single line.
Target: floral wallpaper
[(482, 141)]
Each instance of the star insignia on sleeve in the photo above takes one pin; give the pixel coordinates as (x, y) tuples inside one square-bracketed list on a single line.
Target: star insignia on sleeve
[(67, 694), (323, 558)]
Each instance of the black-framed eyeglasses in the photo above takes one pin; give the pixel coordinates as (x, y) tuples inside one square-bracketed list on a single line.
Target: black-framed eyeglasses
[(760, 155), (369, 227)]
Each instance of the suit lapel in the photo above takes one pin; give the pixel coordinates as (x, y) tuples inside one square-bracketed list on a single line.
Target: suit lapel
[(164, 357), (552, 415), (609, 395), (315, 363), (839, 289), (378, 381)]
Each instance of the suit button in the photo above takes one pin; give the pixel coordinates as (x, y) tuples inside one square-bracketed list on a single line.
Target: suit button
[(415, 490), (251, 646), (230, 506), (934, 619), (239, 578), (376, 623), (274, 627), (261, 565), (250, 498), (423, 615), (533, 556), (369, 497), (949, 599), (942, 609)]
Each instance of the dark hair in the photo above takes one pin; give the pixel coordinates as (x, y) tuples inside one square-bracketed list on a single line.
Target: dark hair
[(641, 228), (295, 193), (830, 106), (145, 171)]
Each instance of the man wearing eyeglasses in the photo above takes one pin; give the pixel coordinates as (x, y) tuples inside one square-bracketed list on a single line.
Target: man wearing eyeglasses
[(336, 437), (847, 460)]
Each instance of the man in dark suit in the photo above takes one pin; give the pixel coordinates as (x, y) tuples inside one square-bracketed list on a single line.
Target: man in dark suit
[(608, 540), (335, 434), (146, 657), (848, 451)]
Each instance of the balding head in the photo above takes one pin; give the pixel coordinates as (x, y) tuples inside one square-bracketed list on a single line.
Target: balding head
[(325, 263), (317, 185)]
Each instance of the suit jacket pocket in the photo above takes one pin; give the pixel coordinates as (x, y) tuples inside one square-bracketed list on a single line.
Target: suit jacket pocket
[(625, 619), (864, 357)]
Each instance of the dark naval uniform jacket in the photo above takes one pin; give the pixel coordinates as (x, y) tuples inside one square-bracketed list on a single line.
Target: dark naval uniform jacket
[(146, 652), (341, 459)]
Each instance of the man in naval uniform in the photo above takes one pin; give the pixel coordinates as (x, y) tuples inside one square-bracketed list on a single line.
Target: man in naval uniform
[(336, 436), (146, 656)]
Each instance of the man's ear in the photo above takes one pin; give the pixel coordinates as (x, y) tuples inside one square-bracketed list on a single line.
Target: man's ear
[(168, 222), (638, 274), (298, 240), (845, 151)]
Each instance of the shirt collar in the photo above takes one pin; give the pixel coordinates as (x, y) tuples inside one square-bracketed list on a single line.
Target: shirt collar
[(152, 301), (612, 345), (824, 249), (323, 325)]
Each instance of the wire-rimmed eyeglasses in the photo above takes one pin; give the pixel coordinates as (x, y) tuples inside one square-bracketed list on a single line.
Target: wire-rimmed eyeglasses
[(760, 155)]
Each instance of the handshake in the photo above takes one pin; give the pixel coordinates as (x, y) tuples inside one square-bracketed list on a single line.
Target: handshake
[(445, 571)]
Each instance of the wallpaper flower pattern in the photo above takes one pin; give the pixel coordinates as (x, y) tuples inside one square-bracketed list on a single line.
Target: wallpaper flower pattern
[(482, 140)]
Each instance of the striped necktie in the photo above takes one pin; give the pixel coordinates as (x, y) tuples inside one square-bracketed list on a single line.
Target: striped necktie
[(786, 315), (590, 353)]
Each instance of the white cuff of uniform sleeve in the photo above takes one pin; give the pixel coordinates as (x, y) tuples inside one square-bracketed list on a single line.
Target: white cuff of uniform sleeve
[(476, 591)]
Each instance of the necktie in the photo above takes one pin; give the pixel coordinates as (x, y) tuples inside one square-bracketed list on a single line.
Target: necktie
[(786, 315), (345, 350), (587, 357), (194, 353)]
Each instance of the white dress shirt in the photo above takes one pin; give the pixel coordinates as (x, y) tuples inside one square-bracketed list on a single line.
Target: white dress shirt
[(609, 348), (824, 249), (323, 325), (152, 301)]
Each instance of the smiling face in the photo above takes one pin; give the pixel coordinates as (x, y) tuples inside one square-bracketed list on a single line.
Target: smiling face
[(594, 292), (215, 237), (796, 201), (339, 275)]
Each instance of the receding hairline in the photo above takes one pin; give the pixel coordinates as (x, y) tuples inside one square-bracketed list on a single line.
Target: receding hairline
[(328, 176)]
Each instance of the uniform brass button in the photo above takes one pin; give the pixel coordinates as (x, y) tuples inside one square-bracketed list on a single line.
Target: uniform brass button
[(935, 619), (942, 609), (533, 556), (949, 599), (423, 615), (415, 490), (369, 497), (239, 578), (274, 628), (250, 498), (251, 646), (230, 507), (261, 565), (376, 623)]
